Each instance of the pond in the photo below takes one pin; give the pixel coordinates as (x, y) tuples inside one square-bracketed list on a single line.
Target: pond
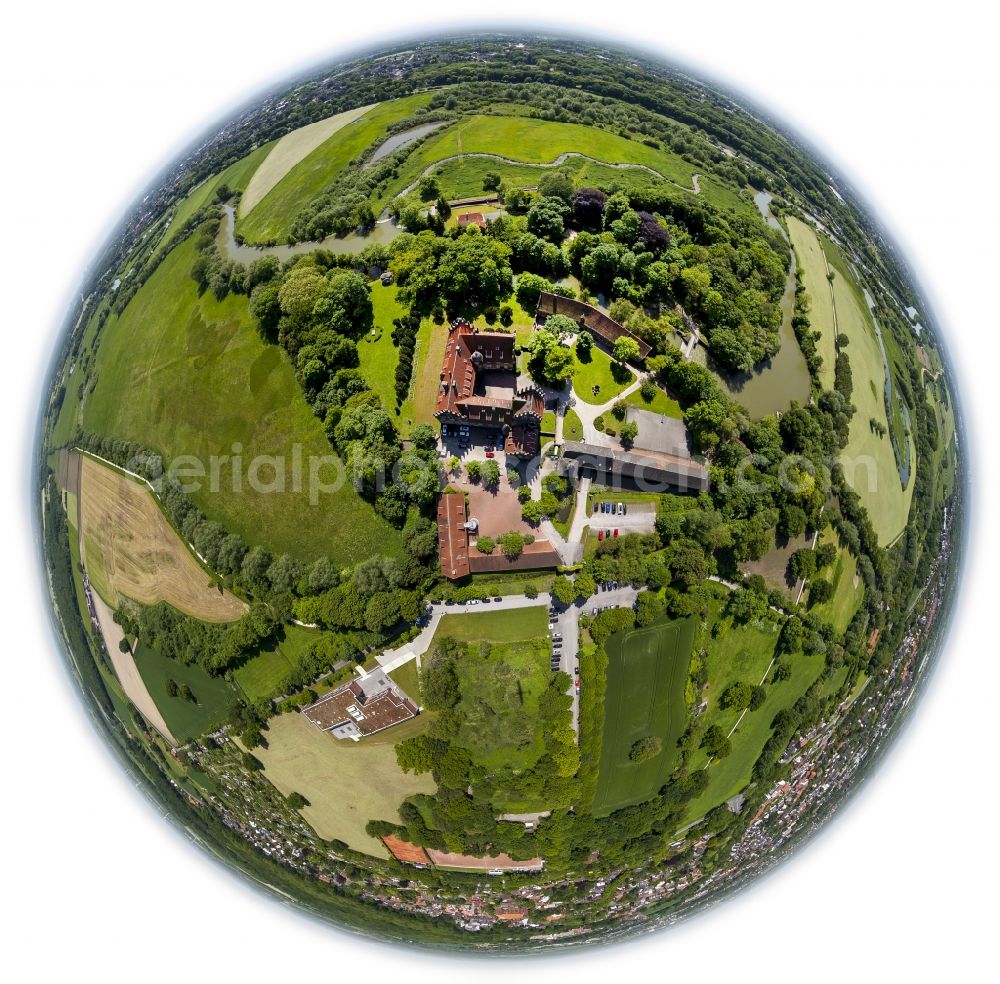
[(776, 382)]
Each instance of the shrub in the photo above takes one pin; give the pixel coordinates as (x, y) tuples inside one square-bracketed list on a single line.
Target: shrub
[(645, 748)]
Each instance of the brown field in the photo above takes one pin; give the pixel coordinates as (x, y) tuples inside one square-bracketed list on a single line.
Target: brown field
[(131, 549)]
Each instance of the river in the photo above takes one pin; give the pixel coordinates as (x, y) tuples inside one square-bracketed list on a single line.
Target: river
[(384, 232)]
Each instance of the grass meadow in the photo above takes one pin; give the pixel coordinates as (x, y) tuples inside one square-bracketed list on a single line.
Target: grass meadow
[(878, 484), (261, 677), (185, 718), (189, 375), (812, 259), (346, 783), (647, 671)]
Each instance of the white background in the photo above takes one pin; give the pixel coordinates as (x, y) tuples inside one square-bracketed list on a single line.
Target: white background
[(98, 96)]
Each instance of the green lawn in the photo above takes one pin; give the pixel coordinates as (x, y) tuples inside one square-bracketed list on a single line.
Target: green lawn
[(662, 404), (189, 375), (647, 670), (869, 462), (186, 719), (548, 423), (812, 259), (272, 217), (572, 426), (533, 141), (600, 371), (262, 676), (407, 677), (742, 653), (510, 625), (378, 355)]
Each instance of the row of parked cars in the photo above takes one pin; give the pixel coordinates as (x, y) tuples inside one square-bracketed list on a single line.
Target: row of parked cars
[(610, 508), (606, 534)]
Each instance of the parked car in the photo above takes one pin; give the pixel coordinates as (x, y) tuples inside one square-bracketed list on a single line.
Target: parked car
[(621, 509), (557, 636), (490, 454), (600, 534), (593, 611), (616, 532), (577, 670), (578, 691), (473, 601), (498, 598)]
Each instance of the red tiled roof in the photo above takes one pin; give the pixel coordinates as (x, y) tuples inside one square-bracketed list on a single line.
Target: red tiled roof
[(453, 538), (587, 315), (458, 372)]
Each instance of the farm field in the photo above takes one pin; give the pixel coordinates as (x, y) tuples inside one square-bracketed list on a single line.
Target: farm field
[(273, 215), (131, 549), (600, 372), (190, 375), (510, 625), (847, 595), (289, 150), (186, 719), (869, 457), (346, 783), (261, 676), (812, 259), (647, 671)]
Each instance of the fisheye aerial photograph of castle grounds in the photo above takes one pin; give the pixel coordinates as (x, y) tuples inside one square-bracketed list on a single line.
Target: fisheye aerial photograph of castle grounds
[(500, 493)]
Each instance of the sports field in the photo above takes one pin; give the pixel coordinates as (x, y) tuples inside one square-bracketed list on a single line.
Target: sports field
[(291, 149), (131, 549), (811, 258), (272, 216), (185, 718), (868, 460), (189, 375), (647, 670), (346, 783)]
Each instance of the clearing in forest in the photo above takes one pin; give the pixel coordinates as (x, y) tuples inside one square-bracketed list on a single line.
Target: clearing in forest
[(131, 549)]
